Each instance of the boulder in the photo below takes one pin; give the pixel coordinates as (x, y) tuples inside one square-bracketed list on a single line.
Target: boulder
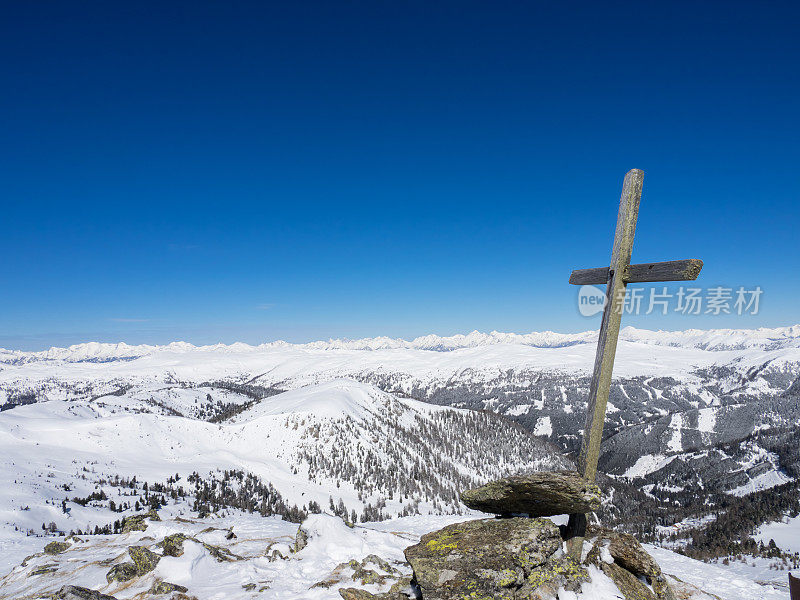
[(537, 495), (300, 539), (172, 545), (137, 522), (629, 556), (494, 558), (74, 592), (122, 572), (399, 591), (632, 587), (625, 550), (165, 587), (56, 547), (144, 559)]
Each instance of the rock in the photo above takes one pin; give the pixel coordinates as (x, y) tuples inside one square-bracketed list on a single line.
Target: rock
[(357, 594), (144, 559), (361, 573), (172, 545), (537, 495), (494, 558), (74, 592), (137, 522), (30, 557), (165, 587), (626, 551), (122, 572), (56, 547), (249, 587), (218, 552), (632, 588), (43, 570), (628, 554), (395, 593), (300, 539)]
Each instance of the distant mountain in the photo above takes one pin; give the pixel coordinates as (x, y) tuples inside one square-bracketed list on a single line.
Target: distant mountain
[(712, 339)]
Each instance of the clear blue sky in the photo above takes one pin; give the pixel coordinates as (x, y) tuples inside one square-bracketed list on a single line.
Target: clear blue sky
[(222, 171)]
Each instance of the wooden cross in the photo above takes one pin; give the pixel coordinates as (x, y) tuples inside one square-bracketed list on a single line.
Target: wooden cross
[(616, 277)]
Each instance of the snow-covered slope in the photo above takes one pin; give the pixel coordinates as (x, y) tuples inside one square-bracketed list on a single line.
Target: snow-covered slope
[(342, 442)]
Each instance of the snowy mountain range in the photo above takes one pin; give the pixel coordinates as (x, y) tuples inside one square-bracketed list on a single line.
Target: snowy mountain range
[(381, 428)]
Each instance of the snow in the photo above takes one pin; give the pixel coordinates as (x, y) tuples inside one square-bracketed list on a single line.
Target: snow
[(761, 482), (543, 427), (676, 424), (725, 582), (786, 534), (649, 463), (706, 419)]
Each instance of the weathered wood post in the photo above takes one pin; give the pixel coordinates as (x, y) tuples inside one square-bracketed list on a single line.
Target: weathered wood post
[(616, 277)]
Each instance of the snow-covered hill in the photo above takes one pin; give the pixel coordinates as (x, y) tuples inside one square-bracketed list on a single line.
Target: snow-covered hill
[(345, 444)]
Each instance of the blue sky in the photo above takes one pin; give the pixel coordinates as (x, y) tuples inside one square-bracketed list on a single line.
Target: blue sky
[(215, 171)]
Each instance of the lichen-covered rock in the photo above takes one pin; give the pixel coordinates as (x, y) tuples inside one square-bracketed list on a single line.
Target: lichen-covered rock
[(357, 594), (56, 547), (122, 572), (145, 560), (165, 587), (511, 558), (137, 522), (300, 539), (172, 545), (537, 495), (75, 592), (399, 591), (43, 570)]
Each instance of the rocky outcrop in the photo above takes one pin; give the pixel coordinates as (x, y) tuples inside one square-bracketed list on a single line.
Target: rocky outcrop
[(43, 570), (145, 560), (74, 592), (399, 591), (122, 572), (56, 547), (537, 495), (172, 545), (165, 587), (625, 561), (494, 558), (523, 558), (137, 522)]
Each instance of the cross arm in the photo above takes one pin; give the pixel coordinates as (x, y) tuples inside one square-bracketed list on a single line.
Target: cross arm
[(672, 270)]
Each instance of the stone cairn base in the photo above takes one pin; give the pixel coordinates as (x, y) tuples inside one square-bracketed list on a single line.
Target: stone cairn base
[(520, 556)]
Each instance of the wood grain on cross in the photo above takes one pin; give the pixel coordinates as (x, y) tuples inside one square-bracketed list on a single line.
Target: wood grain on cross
[(616, 277)]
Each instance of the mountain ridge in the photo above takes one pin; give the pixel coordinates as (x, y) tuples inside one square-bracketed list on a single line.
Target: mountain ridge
[(705, 339)]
